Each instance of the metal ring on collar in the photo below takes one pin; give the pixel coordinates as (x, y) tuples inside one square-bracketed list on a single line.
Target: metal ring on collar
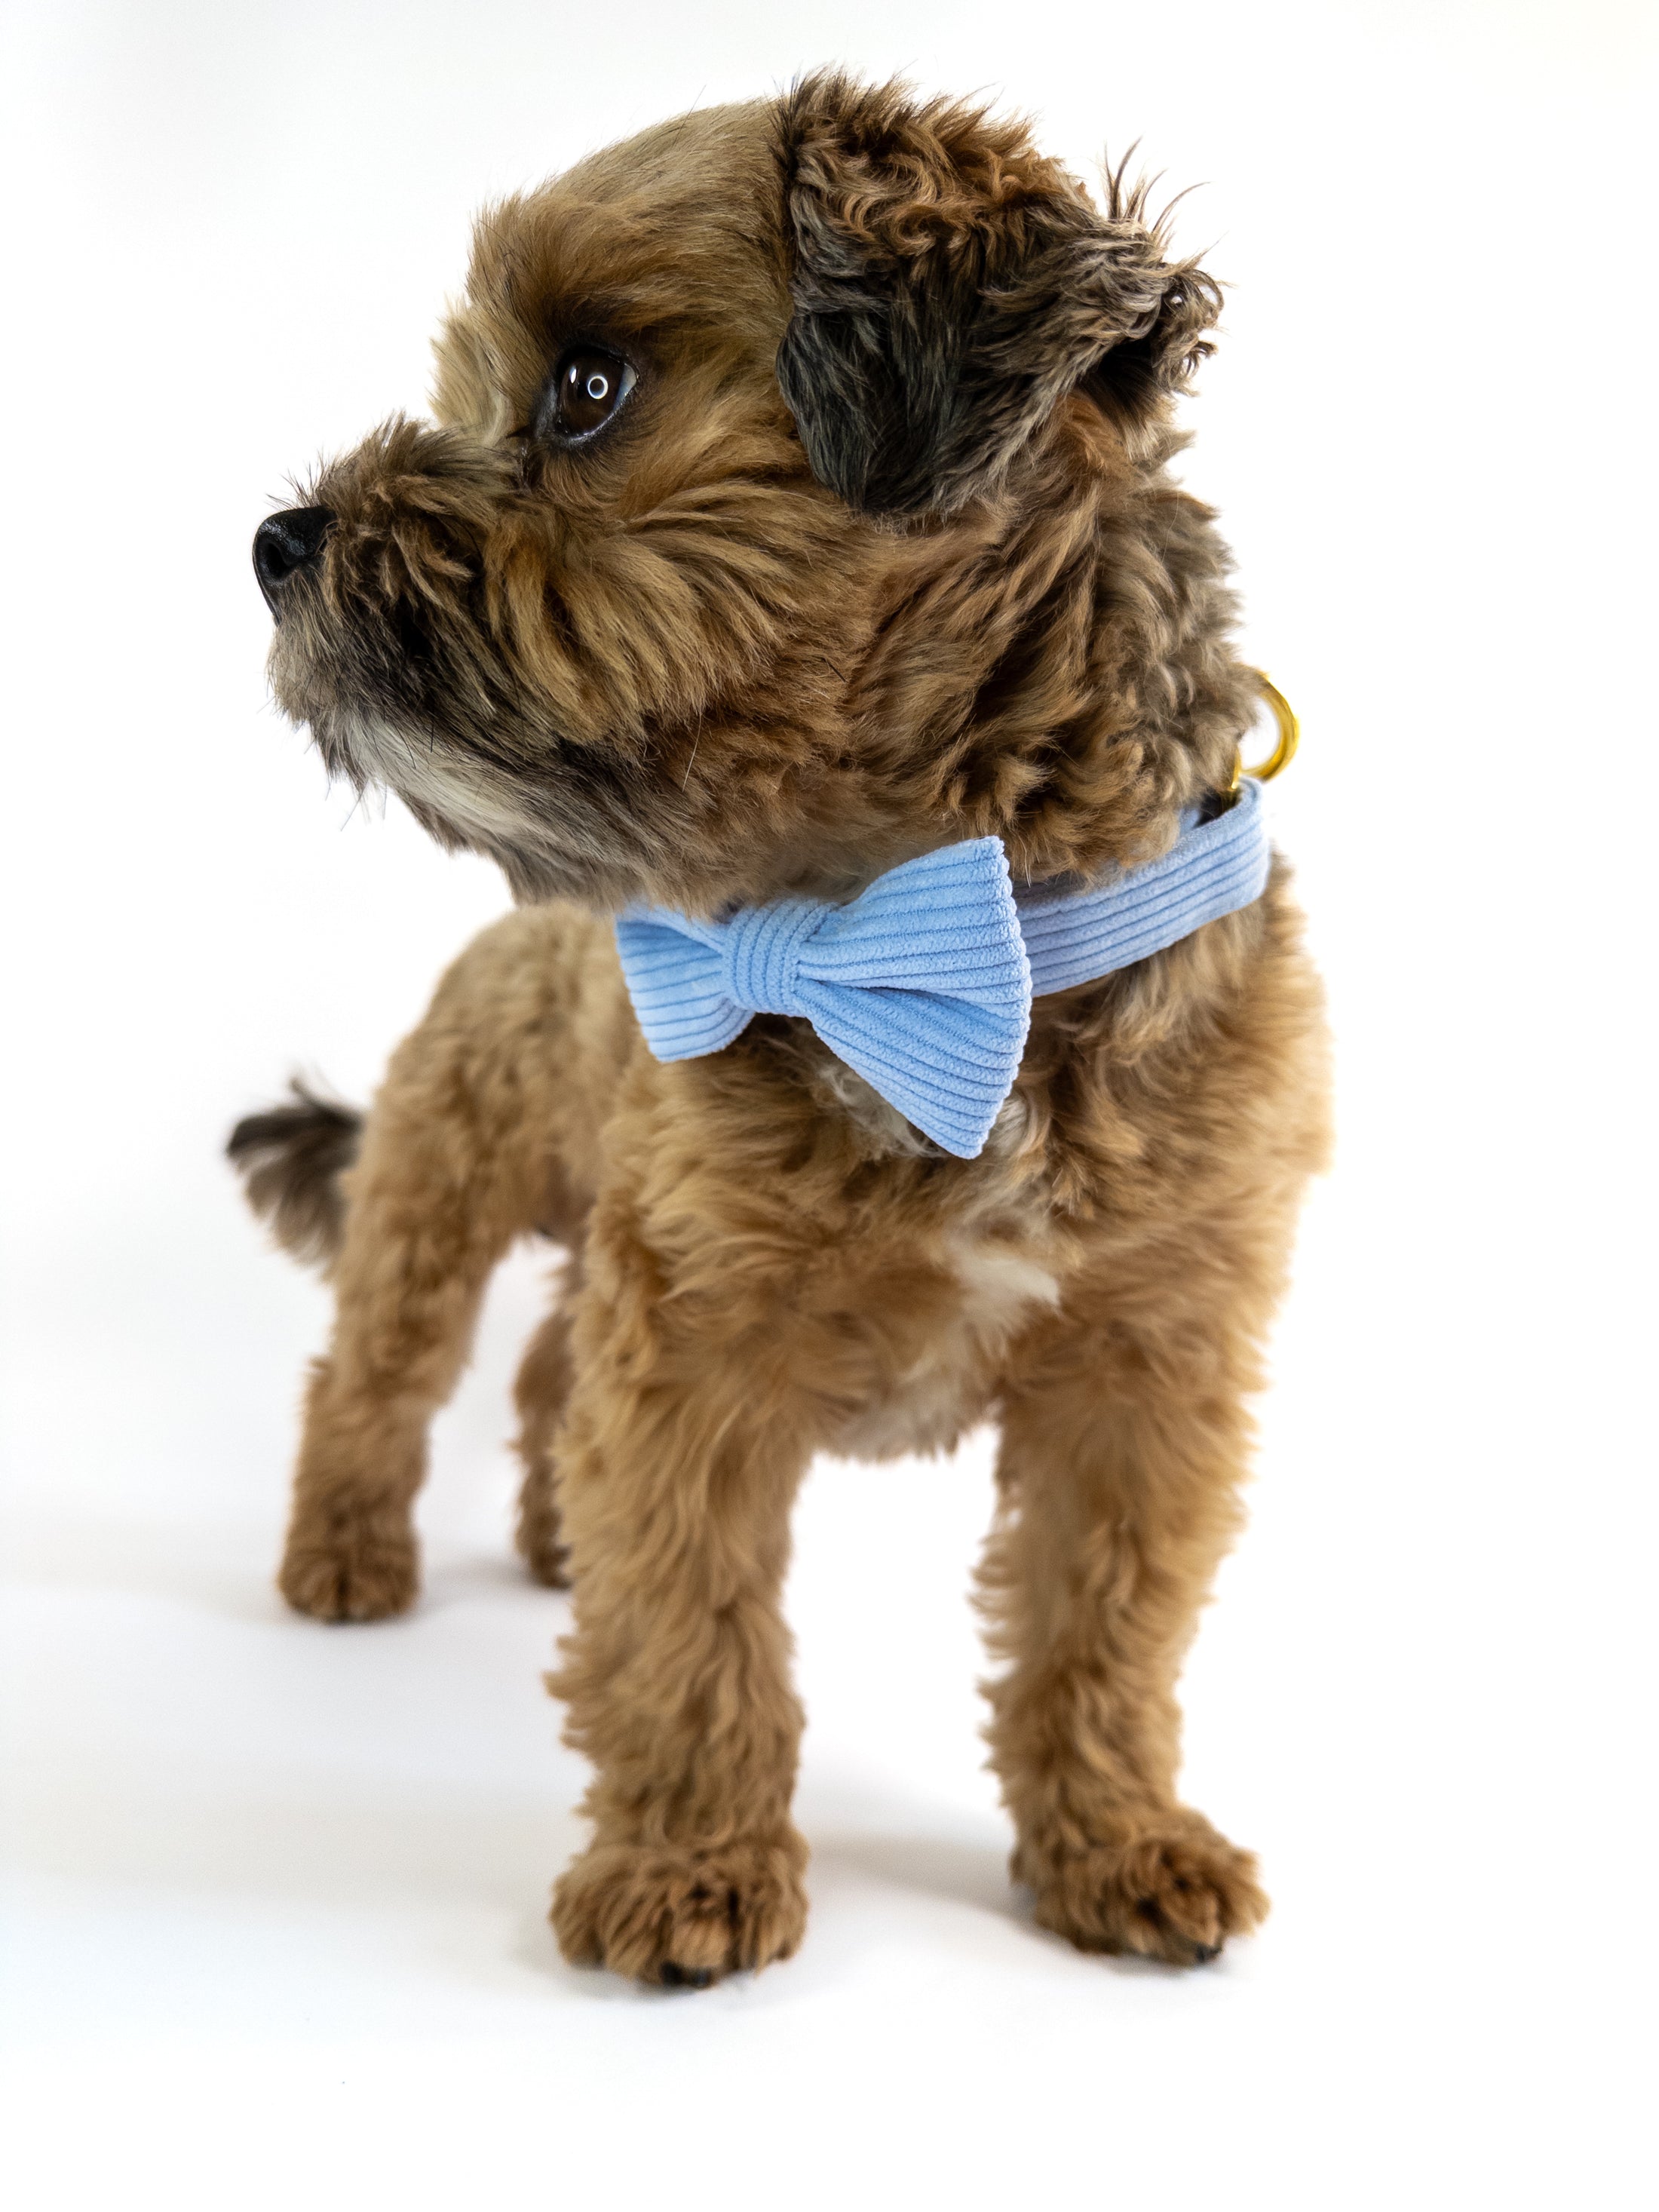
[(1290, 736)]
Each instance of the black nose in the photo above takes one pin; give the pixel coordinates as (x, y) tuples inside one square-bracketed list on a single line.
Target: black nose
[(285, 542)]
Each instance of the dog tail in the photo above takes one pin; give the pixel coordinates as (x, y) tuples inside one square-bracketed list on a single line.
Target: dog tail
[(290, 1160)]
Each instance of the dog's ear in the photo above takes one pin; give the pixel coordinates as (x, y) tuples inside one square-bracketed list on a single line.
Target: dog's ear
[(950, 286)]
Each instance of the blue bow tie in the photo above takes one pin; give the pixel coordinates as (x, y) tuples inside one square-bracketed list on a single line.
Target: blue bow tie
[(924, 983)]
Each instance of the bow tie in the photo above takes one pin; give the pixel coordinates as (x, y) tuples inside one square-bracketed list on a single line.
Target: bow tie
[(923, 984)]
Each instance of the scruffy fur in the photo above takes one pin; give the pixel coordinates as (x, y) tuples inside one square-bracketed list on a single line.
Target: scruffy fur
[(881, 553)]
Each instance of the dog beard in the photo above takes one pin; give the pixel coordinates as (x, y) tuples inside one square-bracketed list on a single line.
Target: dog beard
[(574, 839)]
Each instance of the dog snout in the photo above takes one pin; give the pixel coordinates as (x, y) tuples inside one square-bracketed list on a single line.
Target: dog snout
[(286, 543)]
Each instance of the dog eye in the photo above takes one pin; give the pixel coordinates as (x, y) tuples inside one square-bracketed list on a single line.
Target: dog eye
[(589, 385)]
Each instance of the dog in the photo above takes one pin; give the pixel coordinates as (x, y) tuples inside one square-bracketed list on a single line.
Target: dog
[(796, 512)]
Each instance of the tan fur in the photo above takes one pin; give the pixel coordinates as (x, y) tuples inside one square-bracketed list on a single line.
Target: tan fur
[(715, 681)]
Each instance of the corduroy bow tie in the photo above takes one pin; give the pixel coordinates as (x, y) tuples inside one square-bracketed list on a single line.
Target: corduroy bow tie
[(924, 982)]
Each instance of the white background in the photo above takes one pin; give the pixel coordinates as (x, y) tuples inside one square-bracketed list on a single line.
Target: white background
[(276, 1892)]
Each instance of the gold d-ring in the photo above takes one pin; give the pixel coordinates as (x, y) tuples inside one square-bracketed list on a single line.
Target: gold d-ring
[(1289, 735)]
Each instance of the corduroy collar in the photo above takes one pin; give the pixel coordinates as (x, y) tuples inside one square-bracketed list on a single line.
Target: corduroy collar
[(924, 982)]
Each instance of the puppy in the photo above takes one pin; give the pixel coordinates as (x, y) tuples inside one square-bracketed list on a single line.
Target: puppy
[(796, 512)]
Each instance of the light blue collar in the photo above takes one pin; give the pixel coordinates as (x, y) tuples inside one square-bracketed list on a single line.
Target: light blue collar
[(924, 982)]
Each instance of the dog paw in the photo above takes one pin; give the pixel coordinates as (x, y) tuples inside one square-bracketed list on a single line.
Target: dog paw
[(357, 1572), (549, 1565), (546, 1558), (1174, 1890), (679, 1916)]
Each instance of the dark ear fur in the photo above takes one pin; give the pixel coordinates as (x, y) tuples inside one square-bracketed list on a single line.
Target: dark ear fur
[(950, 285)]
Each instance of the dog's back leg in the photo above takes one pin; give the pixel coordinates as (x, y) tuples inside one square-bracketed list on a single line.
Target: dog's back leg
[(545, 1375), (488, 1127), (446, 1177)]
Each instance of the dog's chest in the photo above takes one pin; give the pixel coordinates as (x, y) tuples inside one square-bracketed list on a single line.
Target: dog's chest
[(935, 1379)]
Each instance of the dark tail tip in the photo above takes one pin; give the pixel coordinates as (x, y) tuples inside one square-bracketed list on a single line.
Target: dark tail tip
[(291, 1159)]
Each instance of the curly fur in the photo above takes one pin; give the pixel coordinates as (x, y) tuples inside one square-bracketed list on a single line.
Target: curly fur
[(950, 286), (706, 658)]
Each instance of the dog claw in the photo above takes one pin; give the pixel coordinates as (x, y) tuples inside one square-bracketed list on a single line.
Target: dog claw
[(684, 1978)]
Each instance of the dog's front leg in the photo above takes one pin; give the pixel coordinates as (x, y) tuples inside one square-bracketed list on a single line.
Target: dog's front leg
[(682, 1447), (1121, 1457)]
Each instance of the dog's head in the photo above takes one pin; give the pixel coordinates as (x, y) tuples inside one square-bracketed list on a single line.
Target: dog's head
[(792, 506)]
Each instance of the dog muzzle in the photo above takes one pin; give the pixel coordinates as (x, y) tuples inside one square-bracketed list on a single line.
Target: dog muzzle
[(923, 983)]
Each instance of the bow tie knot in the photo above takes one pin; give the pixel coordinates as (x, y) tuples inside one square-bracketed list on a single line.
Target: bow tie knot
[(760, 951)]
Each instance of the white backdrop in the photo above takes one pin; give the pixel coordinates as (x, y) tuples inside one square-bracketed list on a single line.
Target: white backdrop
[(276, 1892)]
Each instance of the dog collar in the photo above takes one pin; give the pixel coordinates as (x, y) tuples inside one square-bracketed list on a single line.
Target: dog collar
[(924, 982)]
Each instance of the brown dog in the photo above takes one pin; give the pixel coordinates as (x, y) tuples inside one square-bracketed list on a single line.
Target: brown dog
[(797, 506)]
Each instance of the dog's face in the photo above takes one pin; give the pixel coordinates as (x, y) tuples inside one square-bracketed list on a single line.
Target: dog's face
[(765, 447)]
